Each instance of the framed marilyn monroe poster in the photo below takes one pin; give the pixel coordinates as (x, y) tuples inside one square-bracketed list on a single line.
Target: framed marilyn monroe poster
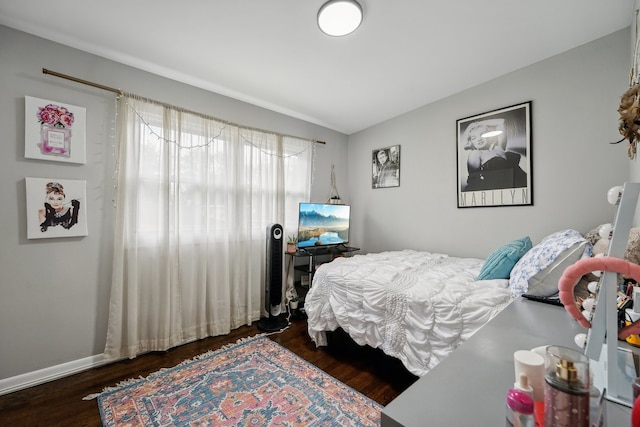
[(494, 158)]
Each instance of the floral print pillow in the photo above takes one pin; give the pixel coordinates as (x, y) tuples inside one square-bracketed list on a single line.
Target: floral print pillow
[(540, 257)]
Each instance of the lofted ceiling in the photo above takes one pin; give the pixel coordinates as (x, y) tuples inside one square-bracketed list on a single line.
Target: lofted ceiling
[(406, 53)]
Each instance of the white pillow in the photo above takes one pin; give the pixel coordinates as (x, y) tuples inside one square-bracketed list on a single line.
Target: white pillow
[(542, 256), (545, 282)]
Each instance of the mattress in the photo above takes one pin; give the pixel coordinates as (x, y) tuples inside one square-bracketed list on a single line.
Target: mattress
[(415, 306)]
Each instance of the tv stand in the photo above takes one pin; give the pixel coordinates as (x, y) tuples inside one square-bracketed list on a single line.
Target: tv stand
[(336, 250), (313, 252)]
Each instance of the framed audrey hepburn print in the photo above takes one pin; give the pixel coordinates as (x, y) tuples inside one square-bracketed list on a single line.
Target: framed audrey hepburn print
[(56, 208)]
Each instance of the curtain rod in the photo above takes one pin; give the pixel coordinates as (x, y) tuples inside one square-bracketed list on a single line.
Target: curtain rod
[(119, 92), (84, 82)]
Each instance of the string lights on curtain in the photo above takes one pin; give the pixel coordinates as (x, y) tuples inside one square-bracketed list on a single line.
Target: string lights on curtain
[(120, 93)]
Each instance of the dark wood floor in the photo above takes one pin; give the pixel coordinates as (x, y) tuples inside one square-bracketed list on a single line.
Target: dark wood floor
[(59, 403)]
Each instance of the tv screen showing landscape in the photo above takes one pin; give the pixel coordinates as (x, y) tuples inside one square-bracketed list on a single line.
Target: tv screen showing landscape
[(323, 224)]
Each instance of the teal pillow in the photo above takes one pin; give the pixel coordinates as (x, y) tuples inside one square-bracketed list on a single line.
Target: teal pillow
[(500, 263)]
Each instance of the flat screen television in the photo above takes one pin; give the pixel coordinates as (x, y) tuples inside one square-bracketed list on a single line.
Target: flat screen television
[(323, 224)]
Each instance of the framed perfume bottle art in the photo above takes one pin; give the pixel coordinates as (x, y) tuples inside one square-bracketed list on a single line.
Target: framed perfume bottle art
[(54, 131)]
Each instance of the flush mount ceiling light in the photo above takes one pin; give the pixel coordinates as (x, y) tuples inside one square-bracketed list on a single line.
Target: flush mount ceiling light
[(339, 17)]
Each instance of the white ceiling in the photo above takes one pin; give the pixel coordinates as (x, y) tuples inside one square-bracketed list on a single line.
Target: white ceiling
[(406, 54)]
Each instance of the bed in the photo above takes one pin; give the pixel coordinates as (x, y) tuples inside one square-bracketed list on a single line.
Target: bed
[(420, 306), (415, 306)]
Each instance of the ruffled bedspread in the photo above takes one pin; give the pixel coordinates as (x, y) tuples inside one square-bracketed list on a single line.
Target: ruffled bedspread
[(415, 306)]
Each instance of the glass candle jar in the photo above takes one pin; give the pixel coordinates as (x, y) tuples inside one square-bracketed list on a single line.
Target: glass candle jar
[(566, 393)]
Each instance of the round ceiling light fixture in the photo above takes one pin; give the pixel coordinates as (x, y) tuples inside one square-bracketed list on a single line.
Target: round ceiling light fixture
[(339, 17)]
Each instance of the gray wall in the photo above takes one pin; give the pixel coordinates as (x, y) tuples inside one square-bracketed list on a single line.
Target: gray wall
[(574, 97), (54, 293)]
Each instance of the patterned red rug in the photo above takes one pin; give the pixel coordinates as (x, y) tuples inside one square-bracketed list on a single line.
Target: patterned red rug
[(254, 382)]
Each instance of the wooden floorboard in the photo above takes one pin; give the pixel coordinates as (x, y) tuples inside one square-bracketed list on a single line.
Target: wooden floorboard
[(59, 403)]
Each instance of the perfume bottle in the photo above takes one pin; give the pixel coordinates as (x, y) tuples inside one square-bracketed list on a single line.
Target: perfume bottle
[(56, 141), (519, 409), (566, 389)]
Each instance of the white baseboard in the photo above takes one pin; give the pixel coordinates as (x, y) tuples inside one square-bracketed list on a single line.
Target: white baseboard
[(30, 379)]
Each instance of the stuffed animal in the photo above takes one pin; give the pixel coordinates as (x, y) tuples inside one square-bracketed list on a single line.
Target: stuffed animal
[(600, 237)]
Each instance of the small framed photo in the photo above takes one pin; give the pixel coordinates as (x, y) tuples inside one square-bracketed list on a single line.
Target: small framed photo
[(385, 167), (54, 131), (56, 208), (494, 158)]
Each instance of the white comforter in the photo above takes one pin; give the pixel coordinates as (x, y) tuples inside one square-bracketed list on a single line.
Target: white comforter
[(415, 306)]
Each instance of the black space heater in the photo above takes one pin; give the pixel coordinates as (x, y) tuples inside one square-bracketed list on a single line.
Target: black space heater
[(273, 285)]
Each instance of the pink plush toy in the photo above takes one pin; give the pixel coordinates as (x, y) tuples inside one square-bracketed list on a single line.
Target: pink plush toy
[(572, 275)]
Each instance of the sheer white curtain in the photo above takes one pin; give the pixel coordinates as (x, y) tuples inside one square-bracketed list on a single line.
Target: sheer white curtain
[(194, 198)]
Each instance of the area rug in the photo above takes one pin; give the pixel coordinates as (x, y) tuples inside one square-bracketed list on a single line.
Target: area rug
[(254, 382)]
